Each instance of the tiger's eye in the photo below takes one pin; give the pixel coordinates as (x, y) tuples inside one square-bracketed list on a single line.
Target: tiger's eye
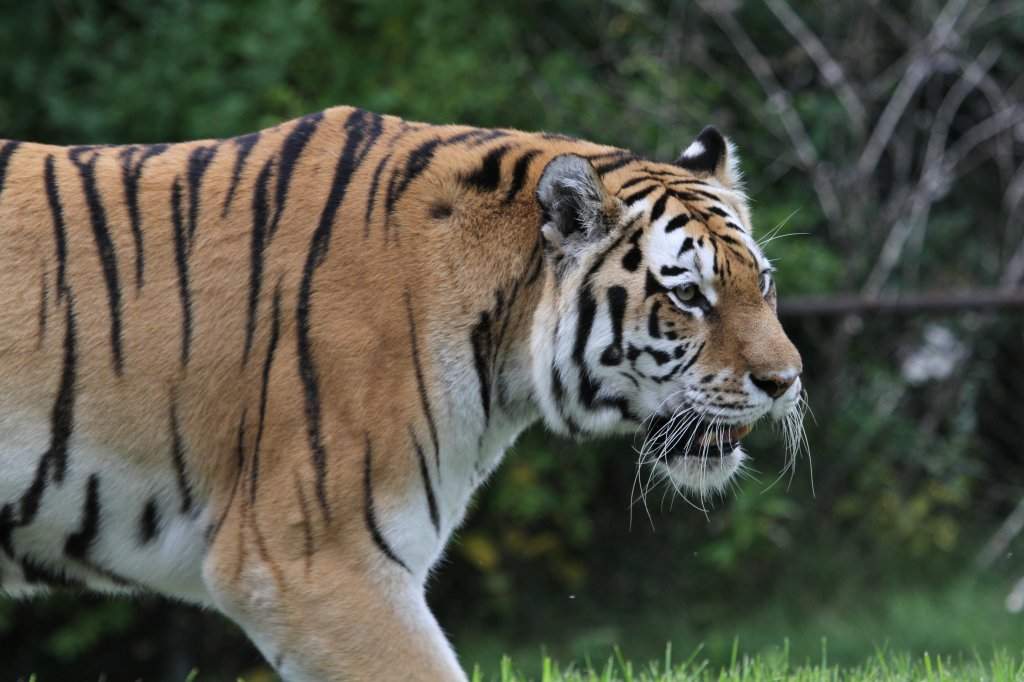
[(686, 292)]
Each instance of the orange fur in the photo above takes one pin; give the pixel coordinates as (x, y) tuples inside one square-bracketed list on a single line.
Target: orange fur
[(302, 347)]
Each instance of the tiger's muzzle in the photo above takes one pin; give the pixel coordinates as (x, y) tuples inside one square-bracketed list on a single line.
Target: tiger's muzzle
[(696, 438)]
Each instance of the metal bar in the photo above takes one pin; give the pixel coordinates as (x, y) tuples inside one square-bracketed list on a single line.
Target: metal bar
[(938, 302)]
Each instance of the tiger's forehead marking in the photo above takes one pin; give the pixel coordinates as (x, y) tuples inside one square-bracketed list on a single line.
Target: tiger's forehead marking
[(694, 244)]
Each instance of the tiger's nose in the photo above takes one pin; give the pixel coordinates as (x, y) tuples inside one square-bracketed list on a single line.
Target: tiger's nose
[(774, 384)]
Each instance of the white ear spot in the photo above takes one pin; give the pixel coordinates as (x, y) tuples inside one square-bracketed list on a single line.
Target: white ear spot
[(553, 236), (695, 149)]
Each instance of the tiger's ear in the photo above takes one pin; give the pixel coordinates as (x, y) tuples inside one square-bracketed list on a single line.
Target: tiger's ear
[(576, 205), (711, 155)]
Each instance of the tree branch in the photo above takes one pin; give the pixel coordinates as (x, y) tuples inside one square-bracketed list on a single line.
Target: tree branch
[(781, 104), (831, 71), (938, 302), (917, 72)]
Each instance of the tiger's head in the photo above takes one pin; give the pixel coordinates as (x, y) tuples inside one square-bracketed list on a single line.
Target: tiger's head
[(660, 313)]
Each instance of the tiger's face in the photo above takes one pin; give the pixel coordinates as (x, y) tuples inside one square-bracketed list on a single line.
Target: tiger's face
[(665, 314)]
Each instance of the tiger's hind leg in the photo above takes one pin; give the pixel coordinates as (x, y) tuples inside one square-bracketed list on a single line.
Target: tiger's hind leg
[(317, 598)]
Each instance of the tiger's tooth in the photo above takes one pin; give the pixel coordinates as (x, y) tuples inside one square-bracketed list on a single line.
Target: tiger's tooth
[(739, 432)]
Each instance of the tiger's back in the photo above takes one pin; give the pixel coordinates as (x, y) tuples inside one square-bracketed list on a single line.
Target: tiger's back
[(151, 323), (267, 373)]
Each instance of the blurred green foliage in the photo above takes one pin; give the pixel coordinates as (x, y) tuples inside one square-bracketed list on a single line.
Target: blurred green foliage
[(907, 477)]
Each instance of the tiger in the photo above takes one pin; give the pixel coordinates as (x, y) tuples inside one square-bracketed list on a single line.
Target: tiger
[(266, 374)]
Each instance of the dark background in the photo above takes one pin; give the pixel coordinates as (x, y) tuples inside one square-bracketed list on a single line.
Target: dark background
[(882, 144)]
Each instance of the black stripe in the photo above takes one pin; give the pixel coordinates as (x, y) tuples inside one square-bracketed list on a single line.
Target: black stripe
[(653, 328), (558, 137), (640, 194), (131, 173), (635, 181), (118, 580), (275, 327), (672, 270), (55, 460), (480, 338), (662, 378), (78, 543), (687, 245), (63, 415), (617, 298), (728, 240), (741, 256), (198, 161), (679, 221), (258, 244), (419, 159), (37, 573), (214, 530), (363, 129), (613, 154), (421, 385), (245, 143), (632, 258), (44, 304), (599, 261), (558, 389), (519, 172), (59, 232), (675, 180), (371, 197), (292, 148), (706, 194), (417, 162), (487, 177), (149, 522), (428, 487), (587, 307), (6, 152), (503, 311), (689, 363), (586, 311), (626, 159), (683, 196), (368, 510), (537, 258), (104, 245), (181, 252), (652, 286), (7, 526), (659, 207), (660, 356), (308, 543), (178, 457), (478, 137)]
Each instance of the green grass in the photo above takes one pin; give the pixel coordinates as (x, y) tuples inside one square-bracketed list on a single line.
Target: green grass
[(914, 632), (949, 621), (884, 666), (958, 630), (778, 665)]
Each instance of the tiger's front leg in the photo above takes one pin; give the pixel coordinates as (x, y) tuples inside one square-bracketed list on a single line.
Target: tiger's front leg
[(317, 596)]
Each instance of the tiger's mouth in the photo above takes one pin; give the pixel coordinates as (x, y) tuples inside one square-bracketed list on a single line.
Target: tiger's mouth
[(699, 438)]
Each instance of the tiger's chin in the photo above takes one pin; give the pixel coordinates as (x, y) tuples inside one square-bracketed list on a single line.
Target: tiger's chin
[(702, 474), (701, 459)]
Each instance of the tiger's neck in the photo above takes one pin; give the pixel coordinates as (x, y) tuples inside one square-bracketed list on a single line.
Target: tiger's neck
[(483, 363)]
